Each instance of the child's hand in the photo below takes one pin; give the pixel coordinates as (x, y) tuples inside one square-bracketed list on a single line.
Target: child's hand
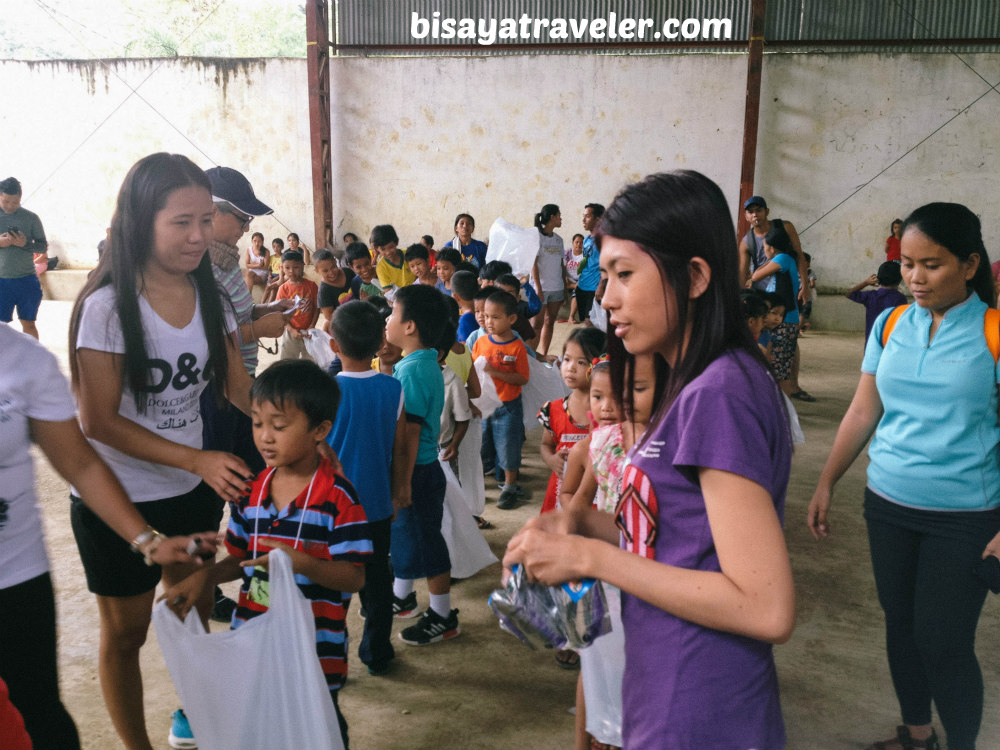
[(477, 413), (181, 597), (402, 498), (873, 280), (298, 557), (450, 453), (295, 333)]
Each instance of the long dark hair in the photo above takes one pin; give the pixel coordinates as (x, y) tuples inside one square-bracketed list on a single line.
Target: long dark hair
[(143, 194), (674, 217), (955, 228)]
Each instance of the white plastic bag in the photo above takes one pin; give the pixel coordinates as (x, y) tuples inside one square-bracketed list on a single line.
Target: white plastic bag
[(798, 436), (467, 548), (599, 317), (513, 244), (318, 346), (544, 384), (488, 401), (603, 666), (260, 686), (470, 468)]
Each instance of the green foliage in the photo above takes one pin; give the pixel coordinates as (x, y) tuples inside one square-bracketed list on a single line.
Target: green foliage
[(85, 29)]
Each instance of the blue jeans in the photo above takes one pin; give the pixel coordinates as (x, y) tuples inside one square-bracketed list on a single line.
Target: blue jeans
[(503, 435)]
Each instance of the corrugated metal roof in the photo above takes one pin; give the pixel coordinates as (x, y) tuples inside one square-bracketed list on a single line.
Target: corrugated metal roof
[(844, 25)]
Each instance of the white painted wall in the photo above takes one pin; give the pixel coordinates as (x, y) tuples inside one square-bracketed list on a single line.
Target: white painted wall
[(418, 140)]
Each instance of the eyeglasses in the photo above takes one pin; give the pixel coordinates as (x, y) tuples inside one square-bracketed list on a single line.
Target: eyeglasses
[(244, 219)]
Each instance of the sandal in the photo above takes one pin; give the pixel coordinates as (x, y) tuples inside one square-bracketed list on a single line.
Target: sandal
[(482, 523), (903, 741), (802, 396), (567, 658)]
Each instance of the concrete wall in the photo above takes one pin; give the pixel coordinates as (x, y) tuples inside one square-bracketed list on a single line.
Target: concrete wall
[(417, 140)]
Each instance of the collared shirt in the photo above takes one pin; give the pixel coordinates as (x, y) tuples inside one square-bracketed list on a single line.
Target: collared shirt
[(325, 521), (935, 446)]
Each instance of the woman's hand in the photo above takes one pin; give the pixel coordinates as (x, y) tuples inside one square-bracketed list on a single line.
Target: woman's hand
[(195, 548), (555, 523), (270, 326), (224, 473), (993, 548), (549, 558), (819, 506)]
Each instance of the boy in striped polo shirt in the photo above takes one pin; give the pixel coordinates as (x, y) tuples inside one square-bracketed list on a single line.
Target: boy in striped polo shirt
[(298, 504)]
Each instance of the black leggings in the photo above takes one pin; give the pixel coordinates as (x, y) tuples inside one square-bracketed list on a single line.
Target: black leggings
[(924, 563), (28, 662)]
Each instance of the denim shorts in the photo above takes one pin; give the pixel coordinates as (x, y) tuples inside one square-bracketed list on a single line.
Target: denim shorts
[(417, 546), (24, 293), (505, 428)]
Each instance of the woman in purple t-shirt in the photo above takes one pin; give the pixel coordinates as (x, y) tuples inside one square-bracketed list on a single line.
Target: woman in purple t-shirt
[(695, 543)]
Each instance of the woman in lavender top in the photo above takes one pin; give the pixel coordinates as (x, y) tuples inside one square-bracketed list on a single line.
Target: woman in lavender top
[(695, 543)]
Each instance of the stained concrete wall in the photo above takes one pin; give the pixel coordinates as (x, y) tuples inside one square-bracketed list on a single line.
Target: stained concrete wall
[(417, 140)]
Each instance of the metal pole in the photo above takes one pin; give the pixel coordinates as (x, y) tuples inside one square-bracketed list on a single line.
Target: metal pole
[(755, 63), (318, 58)]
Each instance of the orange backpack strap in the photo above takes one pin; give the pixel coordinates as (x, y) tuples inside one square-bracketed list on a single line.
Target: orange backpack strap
[(991, 329), (893, 318)]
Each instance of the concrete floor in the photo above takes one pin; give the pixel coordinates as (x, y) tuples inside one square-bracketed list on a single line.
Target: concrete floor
[(486, 690)]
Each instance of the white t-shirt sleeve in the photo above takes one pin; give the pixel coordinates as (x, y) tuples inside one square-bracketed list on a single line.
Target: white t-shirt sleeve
[(99, 327)]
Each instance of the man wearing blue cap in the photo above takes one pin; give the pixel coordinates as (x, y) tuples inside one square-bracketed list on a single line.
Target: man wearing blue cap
[(752, 245)]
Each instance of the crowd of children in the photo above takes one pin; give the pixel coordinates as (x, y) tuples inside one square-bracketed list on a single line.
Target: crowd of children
[(420, 338)]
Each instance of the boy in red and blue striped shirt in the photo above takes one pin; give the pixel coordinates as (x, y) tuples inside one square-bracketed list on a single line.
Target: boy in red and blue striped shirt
[(298, 504)]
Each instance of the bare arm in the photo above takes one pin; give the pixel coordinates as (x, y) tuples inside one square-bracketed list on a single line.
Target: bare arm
[(404, 458), (856, 428), (548, 450), (870, 281), (99, 396), (768, 269), (579, 484), (237, 377), (537, 280), (793, 235), (472, 385), (75, 459), (751, 595), (744, 255)]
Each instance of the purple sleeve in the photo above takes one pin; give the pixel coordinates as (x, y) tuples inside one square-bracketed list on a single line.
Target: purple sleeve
[(721, 429), (859, 296)]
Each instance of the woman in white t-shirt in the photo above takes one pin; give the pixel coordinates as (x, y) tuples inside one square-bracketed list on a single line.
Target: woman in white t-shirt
[(148, 333), (40, 409), (548, 273)]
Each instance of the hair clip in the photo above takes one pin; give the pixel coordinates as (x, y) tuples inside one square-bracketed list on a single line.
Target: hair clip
[(595, 362)]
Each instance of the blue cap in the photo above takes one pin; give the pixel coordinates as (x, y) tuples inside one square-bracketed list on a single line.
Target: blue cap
[(754, 200), (231, 186)]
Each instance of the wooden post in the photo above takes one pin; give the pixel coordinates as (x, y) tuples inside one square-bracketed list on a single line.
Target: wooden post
[(318, 58), (755, 63)]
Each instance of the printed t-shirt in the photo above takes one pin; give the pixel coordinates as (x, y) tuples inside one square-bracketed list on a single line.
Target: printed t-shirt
[(505, 356), (474, 252), (935, 446), (325, 521), (685, 685), (550, 262), (275, 265), (363, 433), (33, 389), (390, 274), (305, 289), (423, 398), (590, 276), (572, 263), (177, 359), (554, 417), (334, 296)]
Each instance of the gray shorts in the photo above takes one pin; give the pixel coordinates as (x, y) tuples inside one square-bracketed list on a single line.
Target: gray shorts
[(554, 296)]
